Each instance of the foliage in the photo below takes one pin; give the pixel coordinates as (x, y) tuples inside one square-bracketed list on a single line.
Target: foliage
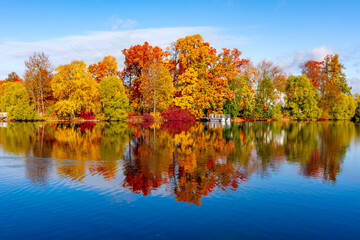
[(190, 75), (333, 87), (356, 117), (201, 83), (148, 117), (204, 80), (157, 116), (14, 100), (106, 68), (243, 102), (65, 109), (301, 99), (328, 77), (115, 102), (344, 107), (177, 114), (195, 94), (87, 115), (265, 107), (138, 60), (38, 76), (156, 88), (313, 70), (75, 90), (333, 70), (13, 77), (275, 73)]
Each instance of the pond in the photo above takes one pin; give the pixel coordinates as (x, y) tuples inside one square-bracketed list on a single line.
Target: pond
[(180, 180)]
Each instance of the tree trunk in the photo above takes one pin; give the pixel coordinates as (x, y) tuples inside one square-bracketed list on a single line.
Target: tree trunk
[(42, 103), (154, 89)]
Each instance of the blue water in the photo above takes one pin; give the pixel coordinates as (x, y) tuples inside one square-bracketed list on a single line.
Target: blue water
[(141, 182)]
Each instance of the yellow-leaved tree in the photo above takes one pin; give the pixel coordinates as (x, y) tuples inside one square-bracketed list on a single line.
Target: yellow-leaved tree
[(156, 88), (194, 89), (202, 77), (75, 90), (106, 68)]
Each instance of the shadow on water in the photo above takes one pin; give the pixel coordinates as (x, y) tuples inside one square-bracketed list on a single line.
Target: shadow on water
[(190, 160)]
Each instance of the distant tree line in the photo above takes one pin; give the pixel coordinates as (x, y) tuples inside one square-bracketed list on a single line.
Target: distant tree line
[(190, 76)]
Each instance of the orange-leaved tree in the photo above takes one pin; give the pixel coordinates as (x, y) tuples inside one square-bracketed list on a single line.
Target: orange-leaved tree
[(202, 77), (106, 68), (314, 71), (139, 60)]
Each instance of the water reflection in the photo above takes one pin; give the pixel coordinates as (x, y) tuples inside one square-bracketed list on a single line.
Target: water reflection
[(188, 160)]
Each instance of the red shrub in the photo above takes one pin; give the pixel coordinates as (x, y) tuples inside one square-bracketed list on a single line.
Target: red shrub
[(177, 114), (148, 118), (134, 115), (87, 115)]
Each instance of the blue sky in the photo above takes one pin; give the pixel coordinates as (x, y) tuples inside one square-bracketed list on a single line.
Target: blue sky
[(287, 32)]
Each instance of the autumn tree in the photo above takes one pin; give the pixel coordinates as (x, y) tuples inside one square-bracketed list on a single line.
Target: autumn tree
[(314, 71), (202, 82), (241, 76), (107, 67), (265, 106), (276, 74), (14, 100), (301, 99), (333, 71), (194, 90), (157, 88), (75, 90), (38, 75), (138, 60), (112, 95), (356, 117), (334, 90), (344, 107), (13, 77)]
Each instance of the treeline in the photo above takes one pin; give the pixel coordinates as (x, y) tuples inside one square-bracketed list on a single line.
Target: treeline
[(189, 77)]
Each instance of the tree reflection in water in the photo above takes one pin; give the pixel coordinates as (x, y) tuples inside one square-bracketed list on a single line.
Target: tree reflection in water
[(187, 159)]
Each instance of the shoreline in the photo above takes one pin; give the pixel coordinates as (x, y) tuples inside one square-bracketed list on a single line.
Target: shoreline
[(235, 120)]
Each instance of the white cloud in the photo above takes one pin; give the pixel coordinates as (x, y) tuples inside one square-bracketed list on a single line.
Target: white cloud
[(355, 84), (349, 57), (92, 47), (291, 62), (117, 23)]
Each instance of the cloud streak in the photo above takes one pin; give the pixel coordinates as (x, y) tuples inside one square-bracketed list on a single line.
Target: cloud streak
[(117, 23), (93, 46), (291, 62)]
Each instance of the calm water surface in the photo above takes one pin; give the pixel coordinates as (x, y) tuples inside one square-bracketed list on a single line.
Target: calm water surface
[(279, 180)]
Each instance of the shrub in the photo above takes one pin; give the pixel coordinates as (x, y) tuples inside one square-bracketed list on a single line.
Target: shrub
[(87, 115), (177, 114), (156, 116), (147, 118)]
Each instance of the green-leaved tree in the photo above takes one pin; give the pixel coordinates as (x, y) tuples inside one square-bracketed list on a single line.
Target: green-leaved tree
[(14, 99), (301, 99), (114, 100)]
